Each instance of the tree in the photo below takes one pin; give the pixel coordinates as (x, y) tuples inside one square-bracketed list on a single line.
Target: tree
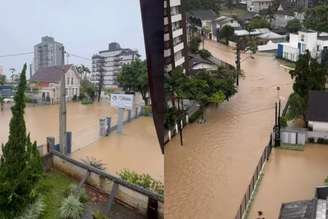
[(316, 18), (20, 164), (226, 33), (100, 77), (88, 90), (134, 78), (2, 79), (205, 54), (257, 22), (296, 106), (1, 103), (308, 75), (83, 71), (194, 44), (202, 4), (293, 26)]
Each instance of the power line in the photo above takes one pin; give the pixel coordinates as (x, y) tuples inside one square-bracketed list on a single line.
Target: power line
[(16, 54)]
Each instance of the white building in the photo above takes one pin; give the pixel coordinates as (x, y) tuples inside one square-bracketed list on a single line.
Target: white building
[(174, 35), (48, 53), (47, 83), (258, 5), (109, 63), (299, 43)]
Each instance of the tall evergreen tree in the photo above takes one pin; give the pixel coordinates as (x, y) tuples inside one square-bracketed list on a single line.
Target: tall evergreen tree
[(20, 164)]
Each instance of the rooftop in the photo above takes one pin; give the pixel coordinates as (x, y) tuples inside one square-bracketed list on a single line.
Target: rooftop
[(203, 14), (50, 74), (299, 210), (317, 106)]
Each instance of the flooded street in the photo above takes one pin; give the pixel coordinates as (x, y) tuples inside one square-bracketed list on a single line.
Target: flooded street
[(207, 177), (136, 149), (42, 122), (290, 176)]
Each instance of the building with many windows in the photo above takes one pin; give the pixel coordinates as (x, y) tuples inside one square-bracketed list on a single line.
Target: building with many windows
[(175, 41), (108, 64), (48, 53)]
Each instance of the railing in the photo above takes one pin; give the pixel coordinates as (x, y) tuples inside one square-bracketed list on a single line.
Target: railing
[(256, 176)]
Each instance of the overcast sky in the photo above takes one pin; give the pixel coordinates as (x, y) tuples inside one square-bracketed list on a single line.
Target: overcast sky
[(83, 26)]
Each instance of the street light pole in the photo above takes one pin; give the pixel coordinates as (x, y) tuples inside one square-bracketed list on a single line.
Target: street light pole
[(238, 61), (62, 116)]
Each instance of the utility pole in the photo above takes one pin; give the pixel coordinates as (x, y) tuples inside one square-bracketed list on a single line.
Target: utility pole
[(62, 116), (238, 61)]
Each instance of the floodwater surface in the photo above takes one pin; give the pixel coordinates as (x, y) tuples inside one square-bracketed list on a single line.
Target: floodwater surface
[(137, 148), (208, 176), (290, 176)]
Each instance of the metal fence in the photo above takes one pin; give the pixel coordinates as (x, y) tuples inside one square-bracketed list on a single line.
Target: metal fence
[(251, 187)]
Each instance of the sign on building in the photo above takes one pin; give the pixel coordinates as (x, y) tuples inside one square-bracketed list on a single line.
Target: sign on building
[(122, 101)]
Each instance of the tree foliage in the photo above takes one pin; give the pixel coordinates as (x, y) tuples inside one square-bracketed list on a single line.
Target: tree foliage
[(2, 79), (294, 25), (194, 44), (20, 164), (205, 54), (308, 75), (316, 18), (202, 4), (258, 22), (134, 78), (83, 71), (226, 33), (88, 90)]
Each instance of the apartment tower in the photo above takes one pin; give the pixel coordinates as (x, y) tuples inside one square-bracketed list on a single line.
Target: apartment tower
[(108, 64), (48, 53), (175, 37)]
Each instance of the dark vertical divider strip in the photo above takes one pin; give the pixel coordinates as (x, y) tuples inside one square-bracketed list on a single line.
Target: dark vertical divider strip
[(152, 12)]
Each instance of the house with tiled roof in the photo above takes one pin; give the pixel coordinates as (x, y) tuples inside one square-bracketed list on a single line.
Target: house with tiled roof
[(46, 81)]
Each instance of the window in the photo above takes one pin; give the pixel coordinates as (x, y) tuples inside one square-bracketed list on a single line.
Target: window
[(72, 81)]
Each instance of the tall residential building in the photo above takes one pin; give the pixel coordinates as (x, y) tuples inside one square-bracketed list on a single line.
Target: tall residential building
[(48, 53), (108, 63), (175, 37)]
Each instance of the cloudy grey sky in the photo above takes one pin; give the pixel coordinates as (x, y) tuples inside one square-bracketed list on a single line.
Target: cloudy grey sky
[(83, 26)]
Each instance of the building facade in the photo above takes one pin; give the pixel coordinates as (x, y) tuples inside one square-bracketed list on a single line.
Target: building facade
[(300, 43), (46, 83), (175, 37), (108, 64), (258, 5), (48, 53)]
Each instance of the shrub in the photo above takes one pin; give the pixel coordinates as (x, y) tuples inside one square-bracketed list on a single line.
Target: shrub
[(35, 210), (99, 215), (205, 54), (311, 140), (79, 193), (147, 110), (143, 180), (86, 101), (195, 116), (322, 141), (283, 121), (71, 208)]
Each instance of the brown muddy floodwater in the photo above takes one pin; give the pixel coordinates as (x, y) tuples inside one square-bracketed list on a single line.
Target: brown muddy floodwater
[(290, 176), (207, 177), (136, 149)]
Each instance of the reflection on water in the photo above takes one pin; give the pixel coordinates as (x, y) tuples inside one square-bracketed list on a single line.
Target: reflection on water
[(207, 177), (290, 176)]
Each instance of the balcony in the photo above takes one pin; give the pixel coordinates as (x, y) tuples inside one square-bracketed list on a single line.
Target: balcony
[(178, 47), (176, 18), (180, 61), (166, 37), (174, 3), (177, 33), (167, 52)]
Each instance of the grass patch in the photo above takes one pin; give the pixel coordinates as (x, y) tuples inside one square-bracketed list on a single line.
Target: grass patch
[(54, 185), (294, 147)]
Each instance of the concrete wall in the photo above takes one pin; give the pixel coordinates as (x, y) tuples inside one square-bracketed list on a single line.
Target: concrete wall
[(319, 126), (128, 196)]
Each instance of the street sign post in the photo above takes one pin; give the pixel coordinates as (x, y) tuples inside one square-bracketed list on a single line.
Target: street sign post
[(122, 102)]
